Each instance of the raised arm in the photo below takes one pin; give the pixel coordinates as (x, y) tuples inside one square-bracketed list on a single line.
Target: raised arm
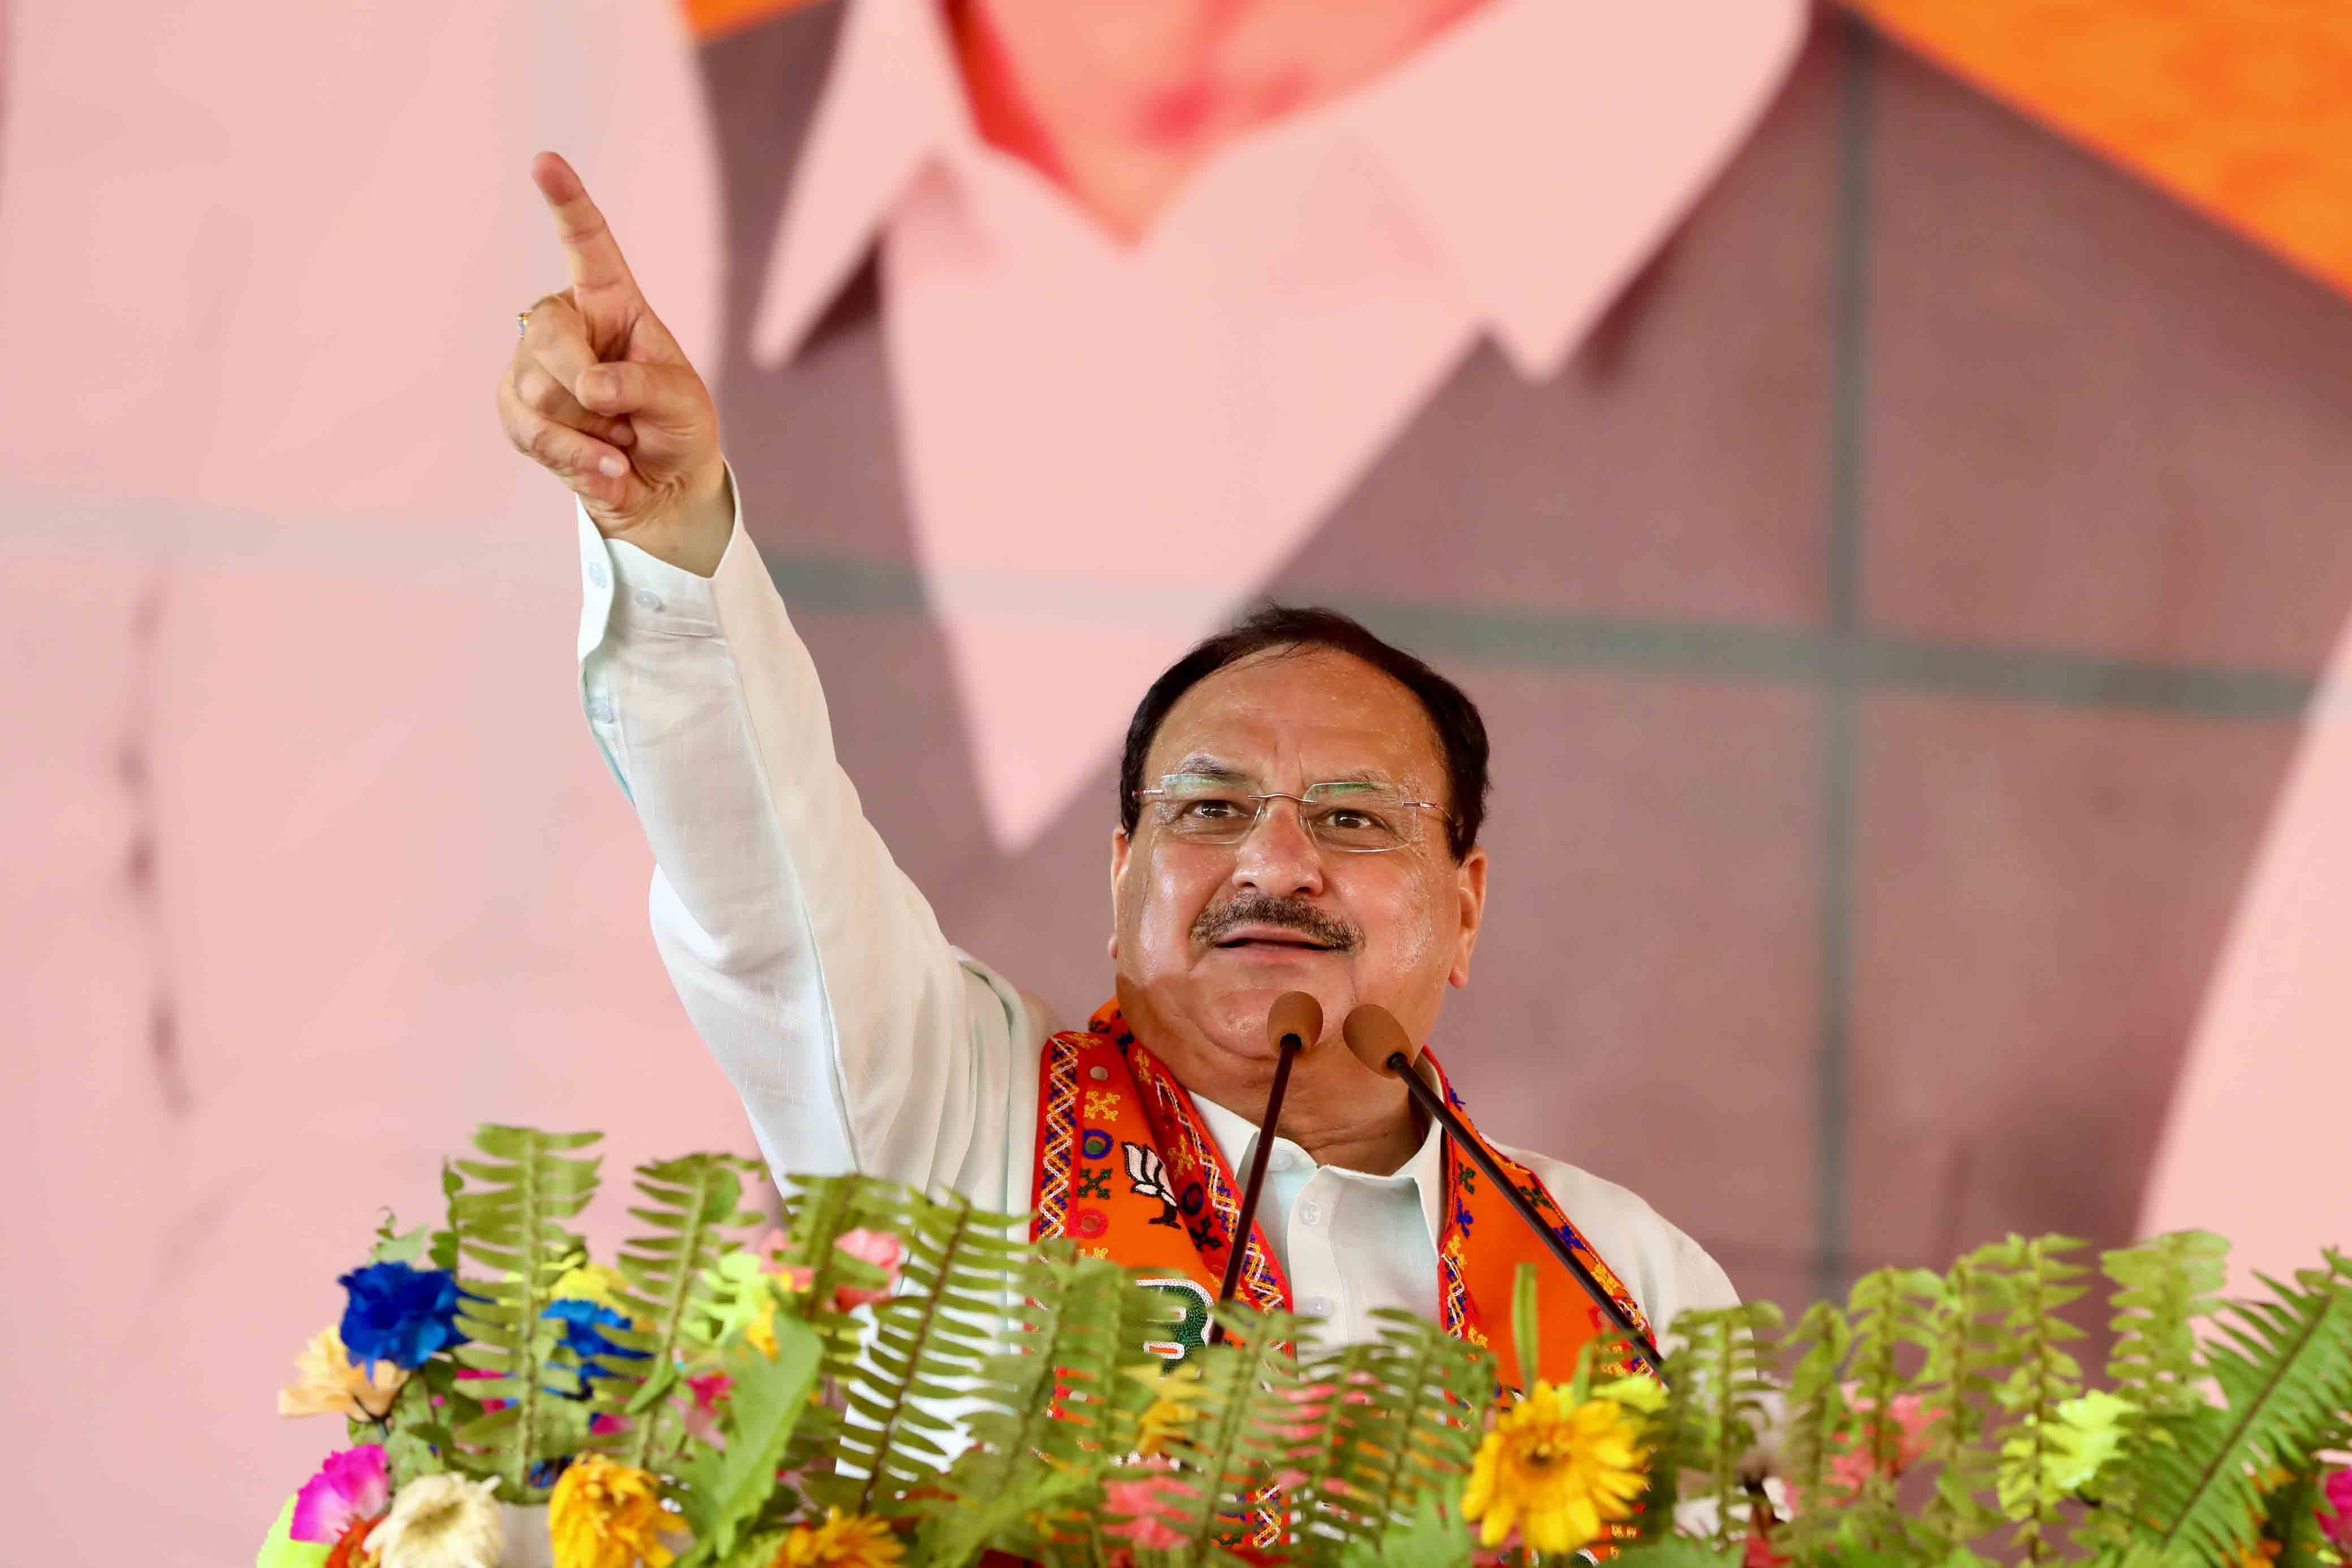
[(858, 1036)]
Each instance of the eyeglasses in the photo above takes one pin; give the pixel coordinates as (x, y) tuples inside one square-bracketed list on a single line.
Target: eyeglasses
[(1354, 818)]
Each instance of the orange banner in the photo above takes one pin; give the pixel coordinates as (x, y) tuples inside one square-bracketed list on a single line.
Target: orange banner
[(2237, 107)]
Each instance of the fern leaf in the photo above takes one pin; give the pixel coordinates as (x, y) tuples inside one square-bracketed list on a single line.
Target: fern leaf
[(1719, 1389), (696, 1201), (2041, 1286), (2284, 1367), (724, 1490), (1391, 1425), (1244, 1431), (507, 1213), (1435, 1537), (2166, 1286), (1055, 1413), (921, 1351), (1816, 1414), (1970, 1353)]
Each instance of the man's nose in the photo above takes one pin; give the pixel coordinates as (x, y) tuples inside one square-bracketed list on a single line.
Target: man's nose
[(1277, 856)]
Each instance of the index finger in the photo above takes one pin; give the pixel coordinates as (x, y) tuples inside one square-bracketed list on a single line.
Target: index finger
[(588, 244)]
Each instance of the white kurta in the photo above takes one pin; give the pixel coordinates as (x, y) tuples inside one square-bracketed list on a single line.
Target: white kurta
[(858, 1037)]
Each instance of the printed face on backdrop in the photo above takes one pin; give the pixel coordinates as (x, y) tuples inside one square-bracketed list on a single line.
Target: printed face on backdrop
[(1208, 934), (1198, 72)]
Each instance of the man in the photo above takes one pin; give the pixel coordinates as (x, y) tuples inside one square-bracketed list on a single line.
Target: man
[(1299, 810)]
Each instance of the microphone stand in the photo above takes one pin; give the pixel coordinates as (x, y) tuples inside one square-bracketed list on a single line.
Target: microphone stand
[(1295, 1020), (1431, 1100), (1251, 1189)]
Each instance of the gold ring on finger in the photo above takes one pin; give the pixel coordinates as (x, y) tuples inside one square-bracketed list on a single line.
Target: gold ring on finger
[(522, 323)]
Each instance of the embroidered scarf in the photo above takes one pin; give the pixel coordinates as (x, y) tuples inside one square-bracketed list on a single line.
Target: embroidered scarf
[(1126, 1169)]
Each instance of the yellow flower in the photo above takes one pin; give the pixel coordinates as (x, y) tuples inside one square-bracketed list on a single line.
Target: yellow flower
[(442, 1522), (606, 1514), (593, 1282), (328, 1383), (760, 1333), (855, 1541), (1557, 1471), (1171, 1410)]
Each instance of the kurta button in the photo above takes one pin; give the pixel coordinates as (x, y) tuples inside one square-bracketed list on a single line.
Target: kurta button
[(1318, 1306), (1099, 1074), (647, 600), (597, 574), (600, 710)]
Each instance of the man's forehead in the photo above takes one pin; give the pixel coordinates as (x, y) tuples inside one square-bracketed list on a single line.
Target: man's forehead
[(1339, 716)]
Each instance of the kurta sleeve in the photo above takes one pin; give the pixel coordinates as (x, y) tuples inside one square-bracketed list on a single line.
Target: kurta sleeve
[(858, 1036)]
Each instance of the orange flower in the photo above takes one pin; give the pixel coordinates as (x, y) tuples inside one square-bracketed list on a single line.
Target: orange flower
[(328, 1383)]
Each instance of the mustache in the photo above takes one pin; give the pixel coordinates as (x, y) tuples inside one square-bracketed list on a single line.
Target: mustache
[(1262, 909)]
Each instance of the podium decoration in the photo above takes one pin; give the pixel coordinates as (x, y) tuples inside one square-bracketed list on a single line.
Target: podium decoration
[(896, 1381)]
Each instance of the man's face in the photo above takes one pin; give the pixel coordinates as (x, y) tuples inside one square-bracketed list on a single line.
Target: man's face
[(1208, 936)]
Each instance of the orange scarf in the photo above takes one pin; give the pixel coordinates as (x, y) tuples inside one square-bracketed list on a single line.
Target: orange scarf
[(1127, 1170)]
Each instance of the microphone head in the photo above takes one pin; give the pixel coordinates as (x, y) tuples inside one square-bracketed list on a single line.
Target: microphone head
[(1295, 1013), (1374, 1035)]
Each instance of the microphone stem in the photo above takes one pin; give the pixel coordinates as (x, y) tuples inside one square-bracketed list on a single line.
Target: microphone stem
[(1286, 1051), (1431, 1100)]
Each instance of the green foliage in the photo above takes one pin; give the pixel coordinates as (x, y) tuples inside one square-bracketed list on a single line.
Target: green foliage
[(1676, 1551), (1248, 1428), (1055, 1410), (722, 1491), (1527, 1326), (1892, 1312), (690, 1204), (1017, 1361), (2165, 1288), (2284, 1368), (2041, 1285), (927, 1346), (1432, 1537), (1970, 1354), (1720, 1382), (1393, 1426), (1817, 1415), (508, 1216)]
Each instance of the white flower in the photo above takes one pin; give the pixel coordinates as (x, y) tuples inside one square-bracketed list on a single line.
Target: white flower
[(441, 1522)]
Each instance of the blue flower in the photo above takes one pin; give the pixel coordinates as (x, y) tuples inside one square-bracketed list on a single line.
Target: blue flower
[(583, 1321), (399, 1313)]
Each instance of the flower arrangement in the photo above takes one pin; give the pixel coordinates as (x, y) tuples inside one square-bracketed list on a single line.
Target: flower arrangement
[(895, 1382)]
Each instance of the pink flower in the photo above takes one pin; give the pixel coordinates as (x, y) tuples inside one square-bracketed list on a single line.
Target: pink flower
[(882, 1250), (1142, 1508), (1849, 1473), (702, 1421), (350, 1486), (2336, 1517), (1912, 1418), (1909, 1418)]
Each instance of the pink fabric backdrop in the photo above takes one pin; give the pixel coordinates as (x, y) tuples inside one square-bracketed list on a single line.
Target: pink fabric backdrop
[(311, 865)]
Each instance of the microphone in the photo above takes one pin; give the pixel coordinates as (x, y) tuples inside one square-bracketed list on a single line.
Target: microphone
[(1295, 1022), (1380, 1043)]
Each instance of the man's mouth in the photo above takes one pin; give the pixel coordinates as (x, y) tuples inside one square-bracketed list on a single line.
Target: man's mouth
[(1277, 939), (1291, 925)]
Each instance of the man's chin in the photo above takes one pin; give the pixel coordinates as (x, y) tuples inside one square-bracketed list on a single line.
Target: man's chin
[(1236, 1015)]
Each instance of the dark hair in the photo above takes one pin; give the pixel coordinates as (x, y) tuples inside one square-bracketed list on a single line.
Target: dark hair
[(1461, 733)]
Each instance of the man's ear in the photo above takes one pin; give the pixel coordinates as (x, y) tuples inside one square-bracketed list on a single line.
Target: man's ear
[(1470, 886), (1121, 846)]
